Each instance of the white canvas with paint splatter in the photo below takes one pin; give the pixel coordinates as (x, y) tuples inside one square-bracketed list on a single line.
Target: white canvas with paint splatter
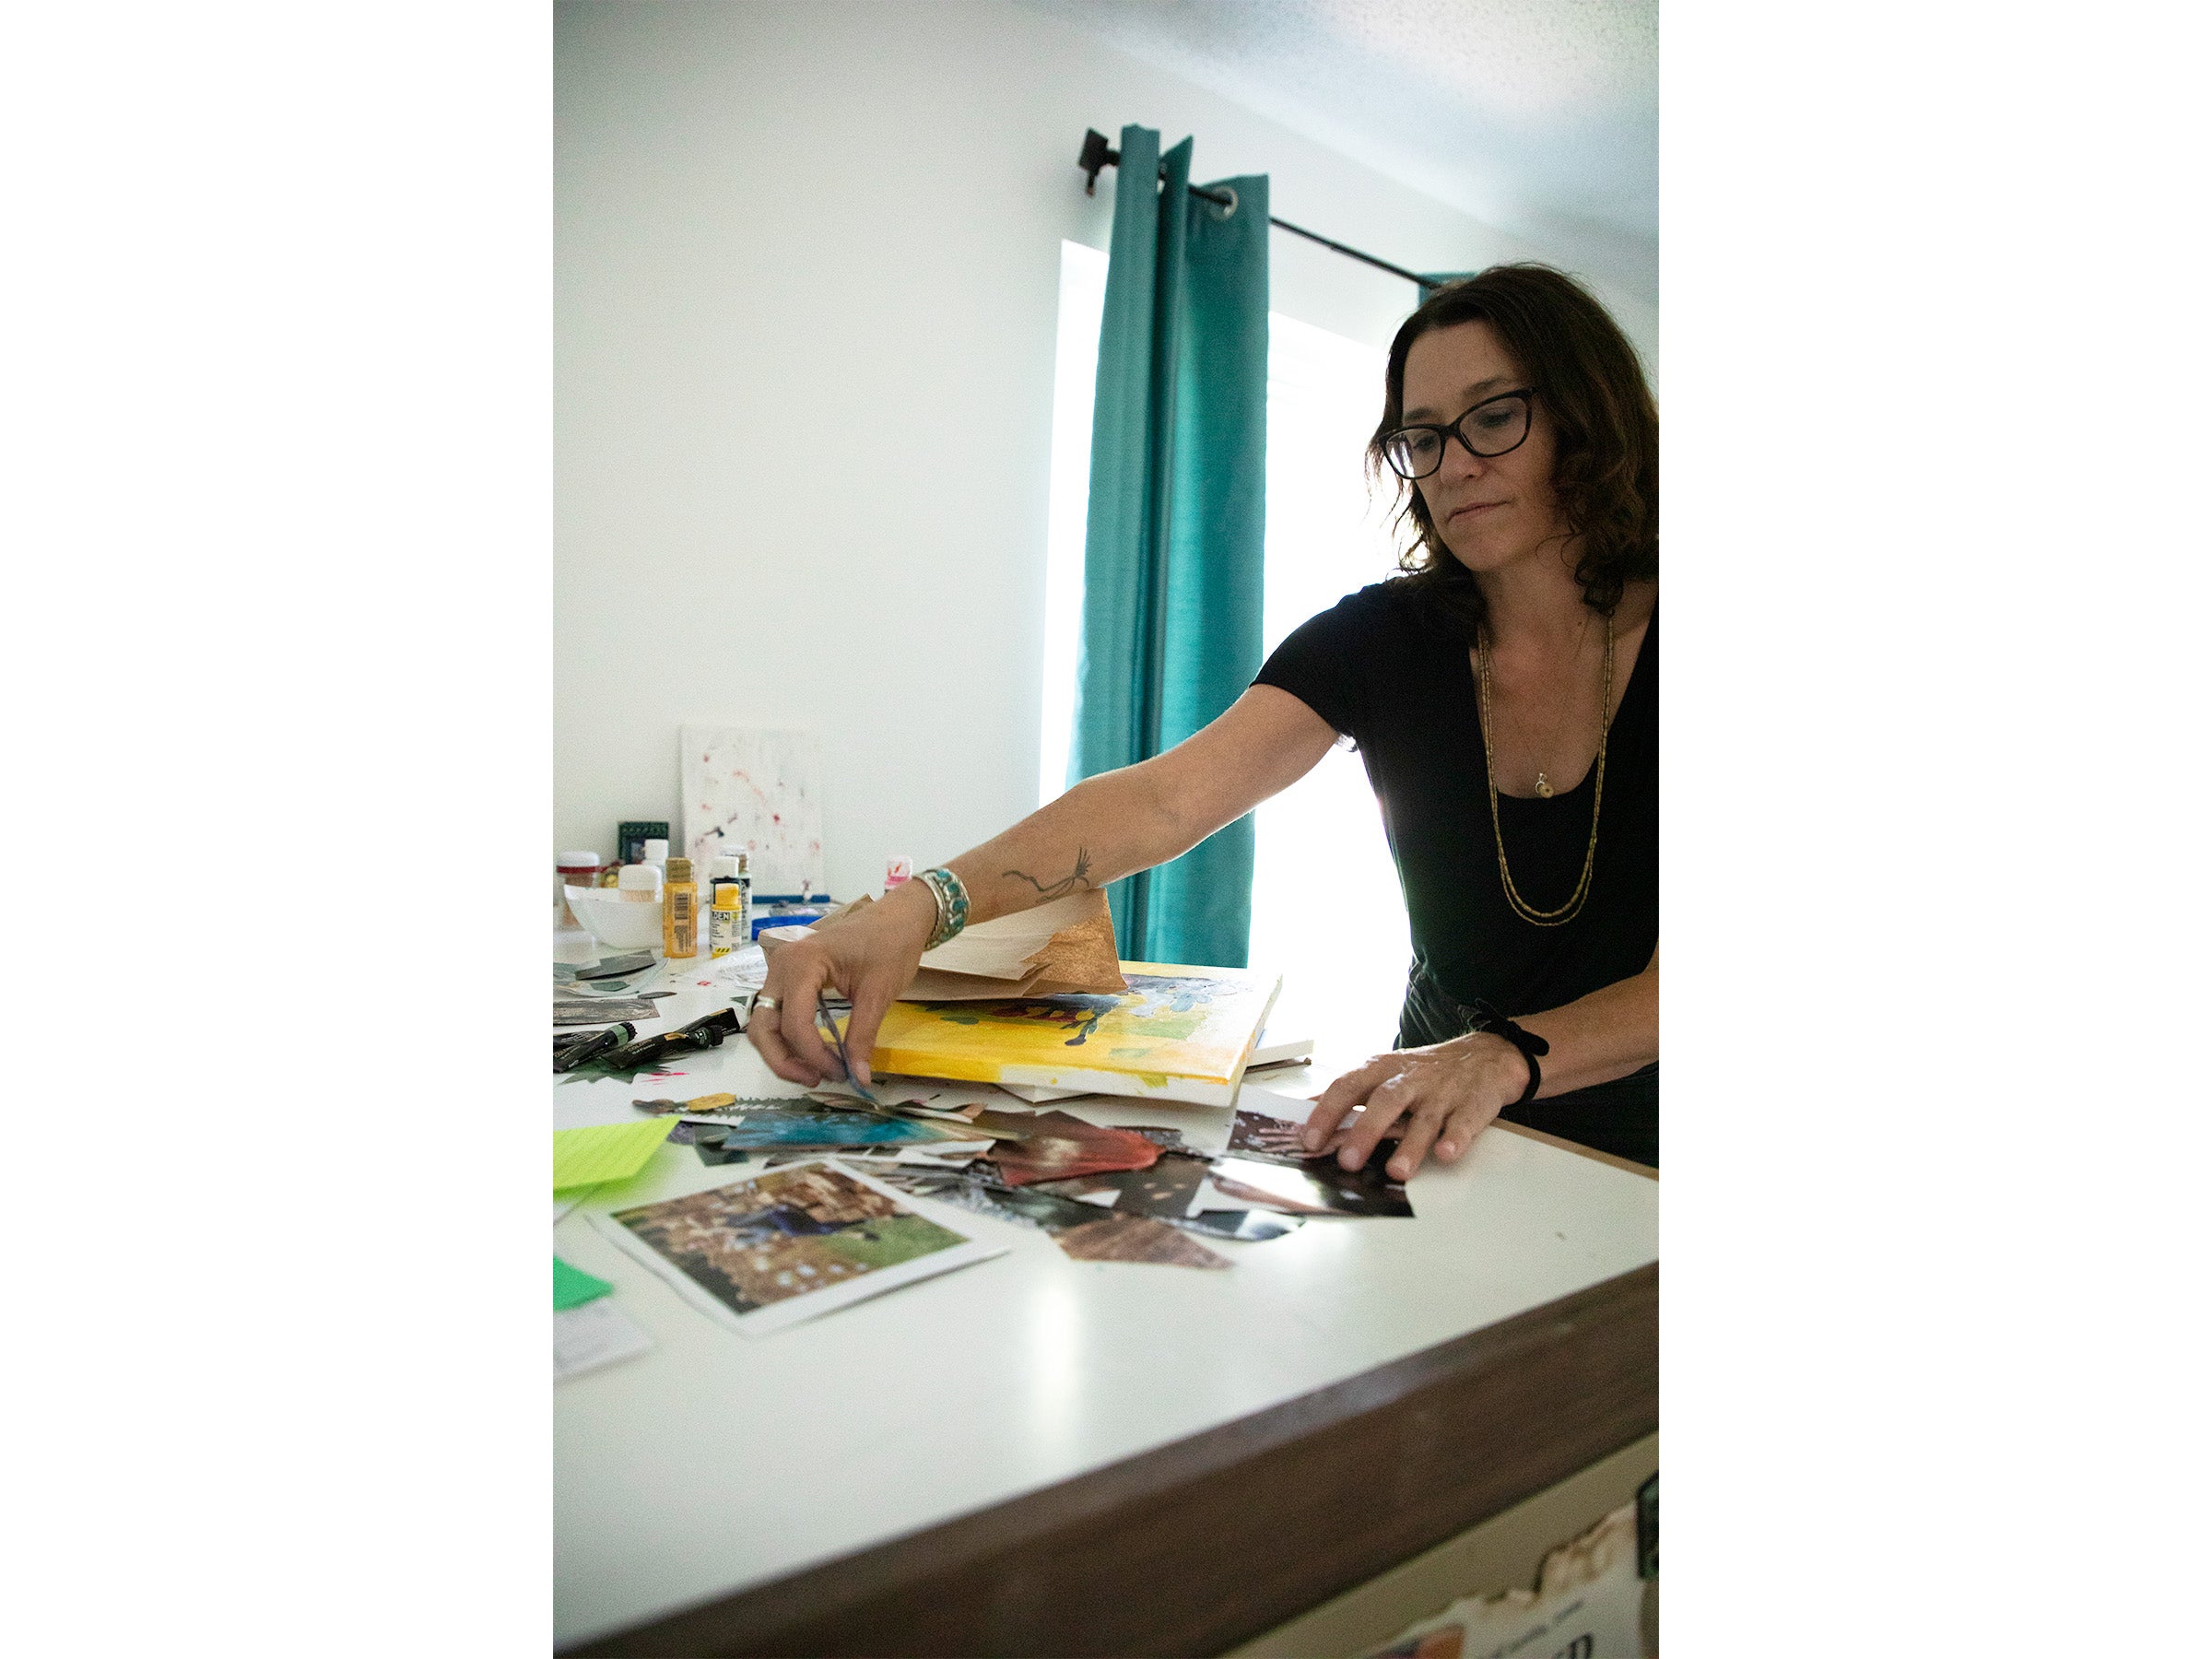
[(760, 790)]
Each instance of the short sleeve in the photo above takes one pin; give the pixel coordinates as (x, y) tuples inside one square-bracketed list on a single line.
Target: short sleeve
[(1321, 661)]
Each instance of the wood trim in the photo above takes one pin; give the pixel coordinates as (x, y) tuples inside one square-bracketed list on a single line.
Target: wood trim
[(1201, 1545), (1567, 1146)]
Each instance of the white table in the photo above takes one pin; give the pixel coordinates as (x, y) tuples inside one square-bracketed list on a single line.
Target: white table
[(717, 1464)]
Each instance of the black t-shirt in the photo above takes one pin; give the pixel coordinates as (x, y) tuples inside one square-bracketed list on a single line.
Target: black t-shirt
[(1383, 668)]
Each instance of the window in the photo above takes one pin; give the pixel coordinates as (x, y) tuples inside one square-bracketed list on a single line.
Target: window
[(1326, 910)]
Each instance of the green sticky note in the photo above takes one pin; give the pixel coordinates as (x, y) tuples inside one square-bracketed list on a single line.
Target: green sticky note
[(573, 1286), (605, 1151)]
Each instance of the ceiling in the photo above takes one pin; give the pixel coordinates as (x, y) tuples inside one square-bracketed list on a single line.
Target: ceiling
[(1539, 116)]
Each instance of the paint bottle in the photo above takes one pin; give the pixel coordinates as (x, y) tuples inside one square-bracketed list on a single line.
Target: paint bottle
[(640, 883), (726, 919), (900, 872), (656, 854), (680, 920)]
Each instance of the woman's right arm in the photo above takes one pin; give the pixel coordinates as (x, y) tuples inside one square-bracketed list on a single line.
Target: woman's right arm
[(1103, 829)]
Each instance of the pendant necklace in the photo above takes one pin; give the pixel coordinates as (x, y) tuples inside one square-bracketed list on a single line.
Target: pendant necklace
[(1544, 788), (1522, 907)]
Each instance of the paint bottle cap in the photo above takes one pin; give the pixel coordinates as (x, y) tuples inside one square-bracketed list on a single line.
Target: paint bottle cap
[(728, 895), (577, 861), (724, 864), (638, 878), (656, 852), (679, 869)]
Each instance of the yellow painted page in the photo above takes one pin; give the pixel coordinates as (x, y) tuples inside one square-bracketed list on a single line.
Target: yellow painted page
[(1174, 1022)]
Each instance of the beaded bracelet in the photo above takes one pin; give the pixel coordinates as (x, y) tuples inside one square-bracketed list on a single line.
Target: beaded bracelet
[(952, 904)]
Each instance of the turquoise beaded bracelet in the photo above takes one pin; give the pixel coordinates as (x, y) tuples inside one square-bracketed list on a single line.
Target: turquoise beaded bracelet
[(952, 904)]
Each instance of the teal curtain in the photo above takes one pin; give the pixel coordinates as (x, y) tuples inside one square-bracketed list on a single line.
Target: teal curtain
[(1171, 561)]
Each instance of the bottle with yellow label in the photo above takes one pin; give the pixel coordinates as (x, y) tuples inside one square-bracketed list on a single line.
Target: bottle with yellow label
[(726, 919), (679, 915)]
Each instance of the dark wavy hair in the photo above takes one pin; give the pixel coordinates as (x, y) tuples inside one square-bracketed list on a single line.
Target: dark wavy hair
[(1592, 387)]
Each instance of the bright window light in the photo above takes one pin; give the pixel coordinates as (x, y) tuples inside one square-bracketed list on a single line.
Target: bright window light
[(1326, 910)]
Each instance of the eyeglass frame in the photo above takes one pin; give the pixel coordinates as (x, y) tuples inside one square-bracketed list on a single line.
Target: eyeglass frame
[(1446, 434)]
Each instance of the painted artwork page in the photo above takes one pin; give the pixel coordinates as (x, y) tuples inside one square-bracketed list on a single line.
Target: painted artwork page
[(757, 791), (1174, 1023)]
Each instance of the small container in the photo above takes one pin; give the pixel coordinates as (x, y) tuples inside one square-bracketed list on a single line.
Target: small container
[(679, 918), (656, 853), (726, 919), (571, 870), (640, 884), (900, 872)]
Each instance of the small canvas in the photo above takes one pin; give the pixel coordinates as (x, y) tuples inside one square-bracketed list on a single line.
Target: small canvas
[(757, 791)]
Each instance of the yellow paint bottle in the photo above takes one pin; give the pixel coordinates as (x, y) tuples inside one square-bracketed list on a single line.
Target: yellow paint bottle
[(679, 916), (725, 921)]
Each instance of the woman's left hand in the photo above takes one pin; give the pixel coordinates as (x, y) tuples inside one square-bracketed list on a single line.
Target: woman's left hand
[(1443, 1096)]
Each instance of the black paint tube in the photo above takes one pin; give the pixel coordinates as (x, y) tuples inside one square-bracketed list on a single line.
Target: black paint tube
[(568, 1057), (705, 1032)]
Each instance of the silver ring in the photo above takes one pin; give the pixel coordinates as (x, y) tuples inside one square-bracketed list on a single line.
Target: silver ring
[(765, 1002)]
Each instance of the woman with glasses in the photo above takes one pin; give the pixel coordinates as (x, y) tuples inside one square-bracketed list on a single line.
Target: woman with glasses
[(1503, 695)]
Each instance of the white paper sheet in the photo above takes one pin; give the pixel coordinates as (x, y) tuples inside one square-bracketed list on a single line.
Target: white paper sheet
[(1273, 1103), (1588, 1602), (596, 1333), (565, 1202)]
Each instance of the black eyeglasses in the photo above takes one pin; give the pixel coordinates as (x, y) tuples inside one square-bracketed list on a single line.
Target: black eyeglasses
[(1494, 427)]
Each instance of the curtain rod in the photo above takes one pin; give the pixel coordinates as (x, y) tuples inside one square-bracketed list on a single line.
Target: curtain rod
[(1097, 154)]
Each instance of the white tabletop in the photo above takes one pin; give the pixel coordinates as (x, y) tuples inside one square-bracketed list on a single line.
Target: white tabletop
[(717, 1461)]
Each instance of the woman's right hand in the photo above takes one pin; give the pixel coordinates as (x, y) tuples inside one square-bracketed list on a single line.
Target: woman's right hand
[(869, 956)]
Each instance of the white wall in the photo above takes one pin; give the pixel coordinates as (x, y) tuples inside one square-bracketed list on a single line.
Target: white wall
[(806, 274)]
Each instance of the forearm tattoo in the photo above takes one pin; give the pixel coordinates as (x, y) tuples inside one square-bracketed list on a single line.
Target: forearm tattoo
[(1079, 880)]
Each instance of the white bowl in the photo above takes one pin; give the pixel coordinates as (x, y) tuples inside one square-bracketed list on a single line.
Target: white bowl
[(618, 922)]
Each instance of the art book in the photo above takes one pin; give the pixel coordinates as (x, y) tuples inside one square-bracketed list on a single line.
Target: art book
[(1177, 1033), (769, 1250)]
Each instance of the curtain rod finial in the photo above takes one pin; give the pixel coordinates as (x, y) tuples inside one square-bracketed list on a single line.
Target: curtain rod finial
[(1096, 155)]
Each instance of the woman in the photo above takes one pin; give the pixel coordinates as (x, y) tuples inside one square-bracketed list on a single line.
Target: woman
[(1504, 695)]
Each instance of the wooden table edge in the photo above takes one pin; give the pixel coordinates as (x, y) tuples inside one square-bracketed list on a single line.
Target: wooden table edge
[(1200, 1544)]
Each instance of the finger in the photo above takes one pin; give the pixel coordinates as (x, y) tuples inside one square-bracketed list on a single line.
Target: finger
[(1390, 1100), (768, 1040), (869, 1006), (1461, 1128), (795, 1021), (1421, 1129), (1340, 1096)]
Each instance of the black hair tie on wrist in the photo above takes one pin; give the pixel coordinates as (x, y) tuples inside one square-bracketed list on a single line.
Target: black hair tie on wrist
[(1491, 1023)]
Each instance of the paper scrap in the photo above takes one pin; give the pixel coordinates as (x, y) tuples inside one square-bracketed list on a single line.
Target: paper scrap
[(605, 1151), (573, 1287), (1135, 1238), (595, 1334), (565, 1202)]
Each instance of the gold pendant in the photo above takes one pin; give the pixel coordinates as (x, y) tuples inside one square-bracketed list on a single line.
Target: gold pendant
[(1543, 786)]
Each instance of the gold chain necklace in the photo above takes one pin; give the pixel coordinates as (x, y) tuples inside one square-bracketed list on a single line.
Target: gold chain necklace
[(1551, 737), (1522, 907)]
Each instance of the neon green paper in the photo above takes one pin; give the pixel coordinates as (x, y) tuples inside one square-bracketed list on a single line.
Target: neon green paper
[(573, 1286), (605, 1151)]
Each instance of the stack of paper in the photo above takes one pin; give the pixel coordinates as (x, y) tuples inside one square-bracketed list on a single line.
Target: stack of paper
[(1056, 950), (1177, 1033)]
